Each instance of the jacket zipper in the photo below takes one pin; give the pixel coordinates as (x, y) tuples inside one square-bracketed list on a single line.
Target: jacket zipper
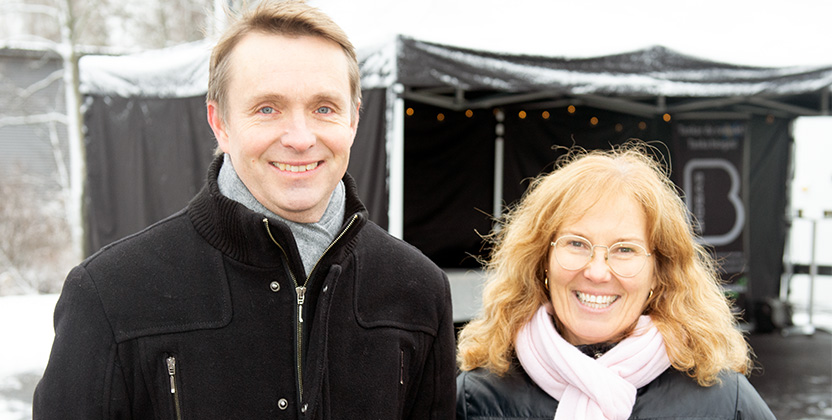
[(300, 291), (171, 365), (401, 367)]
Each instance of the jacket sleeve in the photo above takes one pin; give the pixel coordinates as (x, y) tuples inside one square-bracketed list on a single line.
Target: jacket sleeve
[(438, 385), (79, 379), (750, 405), (461, 403), (447, 356)]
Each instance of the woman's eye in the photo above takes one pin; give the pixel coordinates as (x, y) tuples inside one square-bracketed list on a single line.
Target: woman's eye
[(577, 244)]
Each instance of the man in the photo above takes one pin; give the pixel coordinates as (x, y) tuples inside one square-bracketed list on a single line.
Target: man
[(271, 295)]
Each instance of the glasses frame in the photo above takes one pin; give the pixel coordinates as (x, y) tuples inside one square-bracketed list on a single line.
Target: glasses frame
[(606, 254)]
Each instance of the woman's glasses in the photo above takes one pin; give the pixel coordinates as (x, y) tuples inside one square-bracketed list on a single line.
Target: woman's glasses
[(625, 259)]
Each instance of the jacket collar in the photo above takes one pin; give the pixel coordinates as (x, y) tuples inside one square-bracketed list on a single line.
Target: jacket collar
[(241, 234)]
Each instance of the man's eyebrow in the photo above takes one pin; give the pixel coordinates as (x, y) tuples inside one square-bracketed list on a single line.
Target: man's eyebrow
[(333, 97), (329, 97), (268, 97)]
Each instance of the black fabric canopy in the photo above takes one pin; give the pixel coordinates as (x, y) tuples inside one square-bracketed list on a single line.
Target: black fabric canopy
[(644, 82)]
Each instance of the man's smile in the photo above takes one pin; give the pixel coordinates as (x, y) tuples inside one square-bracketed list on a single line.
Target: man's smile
[(295, 168)]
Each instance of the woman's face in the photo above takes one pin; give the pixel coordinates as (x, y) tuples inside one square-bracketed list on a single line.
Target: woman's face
[(593, 303)]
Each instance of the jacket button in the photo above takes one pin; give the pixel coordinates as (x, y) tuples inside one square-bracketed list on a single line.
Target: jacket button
[(282, 404), (275, 286), (303, 409)]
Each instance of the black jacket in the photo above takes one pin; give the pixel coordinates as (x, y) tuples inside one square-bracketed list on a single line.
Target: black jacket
[(673, 395), (196, 317)]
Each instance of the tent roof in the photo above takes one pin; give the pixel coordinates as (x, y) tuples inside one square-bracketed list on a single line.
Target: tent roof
[(649, 81), (645, 82), (175, 72)]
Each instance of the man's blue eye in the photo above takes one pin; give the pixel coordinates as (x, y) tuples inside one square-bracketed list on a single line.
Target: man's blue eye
[(324, 110), (267, 110)]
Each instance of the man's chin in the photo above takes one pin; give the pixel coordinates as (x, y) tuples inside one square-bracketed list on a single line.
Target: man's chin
[(300, 211)]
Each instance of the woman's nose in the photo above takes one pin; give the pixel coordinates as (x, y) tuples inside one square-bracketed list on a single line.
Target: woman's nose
[(597, 268)]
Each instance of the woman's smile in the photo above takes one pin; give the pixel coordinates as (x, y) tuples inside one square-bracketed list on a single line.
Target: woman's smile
[(596, 301)]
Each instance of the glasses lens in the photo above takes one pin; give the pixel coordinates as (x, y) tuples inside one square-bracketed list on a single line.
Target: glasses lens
[(627, 259), (572, 252), (624, 258)]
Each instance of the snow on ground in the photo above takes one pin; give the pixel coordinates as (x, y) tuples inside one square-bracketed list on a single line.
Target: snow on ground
[(26, 332)]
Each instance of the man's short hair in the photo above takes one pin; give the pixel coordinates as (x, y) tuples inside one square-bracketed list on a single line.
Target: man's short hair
[(288, 18)]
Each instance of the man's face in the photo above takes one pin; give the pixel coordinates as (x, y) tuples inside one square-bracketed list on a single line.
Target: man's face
[(288, 125)]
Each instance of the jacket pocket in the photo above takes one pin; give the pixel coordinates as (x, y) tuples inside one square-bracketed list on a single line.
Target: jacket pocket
[(171, 368)]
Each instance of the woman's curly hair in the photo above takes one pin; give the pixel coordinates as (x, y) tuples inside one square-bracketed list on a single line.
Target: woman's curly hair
[(688, 306)]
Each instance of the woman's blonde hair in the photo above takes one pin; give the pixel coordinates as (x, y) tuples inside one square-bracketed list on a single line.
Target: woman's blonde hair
[(688, 305)]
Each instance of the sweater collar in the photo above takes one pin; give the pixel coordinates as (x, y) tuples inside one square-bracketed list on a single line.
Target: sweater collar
[(241, 233)]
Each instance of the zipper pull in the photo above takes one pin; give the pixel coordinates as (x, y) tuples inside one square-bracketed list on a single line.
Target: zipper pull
[(172, 373), (301, 290)]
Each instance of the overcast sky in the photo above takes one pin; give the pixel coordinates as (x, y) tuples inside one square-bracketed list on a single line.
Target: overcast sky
[(761, 32)]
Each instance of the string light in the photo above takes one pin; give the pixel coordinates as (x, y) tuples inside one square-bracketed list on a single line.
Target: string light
[(469, 113), (571, 109), (666, 117), (409, 112), (642, 125), (545, 115), (522, 115), (440, 117), (619, 127), (593, 120)]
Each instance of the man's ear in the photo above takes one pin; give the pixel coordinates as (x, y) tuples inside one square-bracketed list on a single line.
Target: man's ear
[(217, 124), (354, 122)]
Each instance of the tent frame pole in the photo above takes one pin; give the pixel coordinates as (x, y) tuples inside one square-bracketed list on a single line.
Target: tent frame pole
[(395, 165)]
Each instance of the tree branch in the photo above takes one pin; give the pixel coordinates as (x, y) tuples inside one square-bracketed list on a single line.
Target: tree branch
[(49, 117)]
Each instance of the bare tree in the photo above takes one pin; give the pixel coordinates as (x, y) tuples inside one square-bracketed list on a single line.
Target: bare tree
[(33, 230), (68, 27), (63, 15)]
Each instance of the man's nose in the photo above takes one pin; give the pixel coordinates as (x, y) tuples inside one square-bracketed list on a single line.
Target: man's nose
[(297, 133)]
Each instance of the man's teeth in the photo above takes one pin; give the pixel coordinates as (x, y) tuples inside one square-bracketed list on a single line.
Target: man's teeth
[(293, 168), (596, 301)]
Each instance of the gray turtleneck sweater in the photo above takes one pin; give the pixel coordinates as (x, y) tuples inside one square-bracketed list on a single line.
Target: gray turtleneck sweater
[(311, 238)]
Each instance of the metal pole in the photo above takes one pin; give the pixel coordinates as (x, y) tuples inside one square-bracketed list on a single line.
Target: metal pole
[(396, 163), (499, 162), (813, 271)]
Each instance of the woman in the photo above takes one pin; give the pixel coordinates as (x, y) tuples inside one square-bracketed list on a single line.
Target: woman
[(600, 304)]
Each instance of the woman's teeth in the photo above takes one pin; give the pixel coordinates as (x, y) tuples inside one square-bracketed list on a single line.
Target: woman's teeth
[(596, 301)]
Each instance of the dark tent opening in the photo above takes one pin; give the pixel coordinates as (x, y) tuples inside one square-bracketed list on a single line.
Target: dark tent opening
[(449, 178)]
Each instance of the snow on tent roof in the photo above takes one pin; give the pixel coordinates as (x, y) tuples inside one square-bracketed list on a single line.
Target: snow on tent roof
[(175, 72), (651, 71), (182, 71)]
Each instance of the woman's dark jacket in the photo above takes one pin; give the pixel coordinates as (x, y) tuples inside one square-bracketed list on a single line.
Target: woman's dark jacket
[(196, 317), (673, 395)]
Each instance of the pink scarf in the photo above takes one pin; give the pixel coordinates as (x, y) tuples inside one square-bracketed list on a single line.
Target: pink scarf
[(587, 388)]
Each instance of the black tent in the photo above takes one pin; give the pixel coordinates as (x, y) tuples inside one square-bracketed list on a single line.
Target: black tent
[(448, 136)]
